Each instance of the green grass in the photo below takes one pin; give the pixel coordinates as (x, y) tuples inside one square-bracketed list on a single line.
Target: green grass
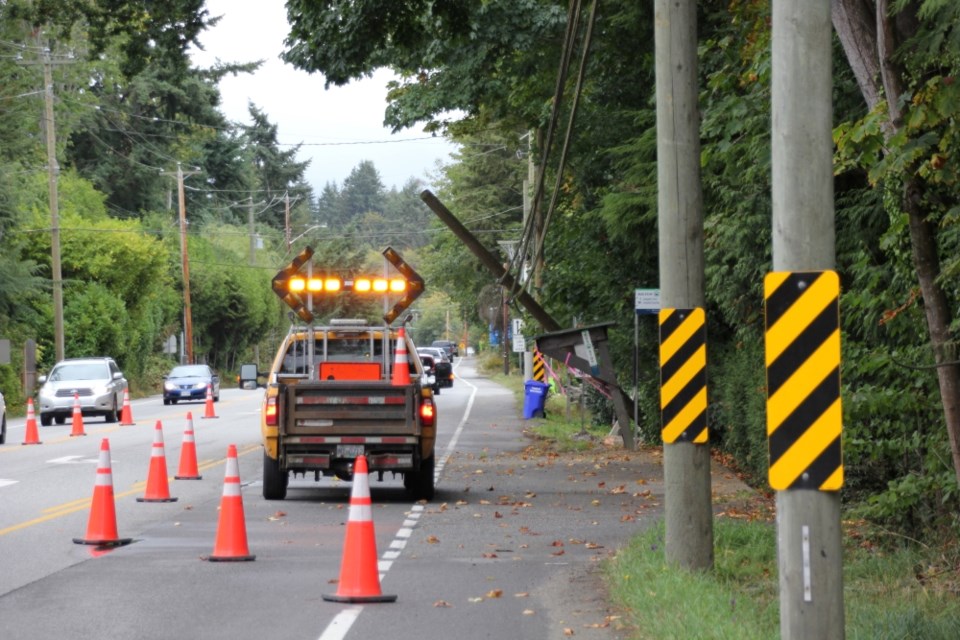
[(739, 598)]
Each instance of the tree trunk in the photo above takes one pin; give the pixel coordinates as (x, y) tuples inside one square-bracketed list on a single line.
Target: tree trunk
[(869, 37)]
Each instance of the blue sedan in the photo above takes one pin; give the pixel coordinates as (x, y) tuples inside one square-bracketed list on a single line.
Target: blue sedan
[(189, 382)]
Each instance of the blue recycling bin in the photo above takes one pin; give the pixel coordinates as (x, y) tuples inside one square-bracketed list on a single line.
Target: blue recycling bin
[(534, 398)]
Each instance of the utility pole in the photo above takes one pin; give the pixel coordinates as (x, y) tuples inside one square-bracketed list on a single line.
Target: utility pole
[(286, 217), (185, 265), (53, 173), (253, 235), (686, 464), (809, 538)]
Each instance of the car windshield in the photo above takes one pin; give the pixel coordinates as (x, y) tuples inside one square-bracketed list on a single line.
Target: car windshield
[(189, 371), (80, 371)]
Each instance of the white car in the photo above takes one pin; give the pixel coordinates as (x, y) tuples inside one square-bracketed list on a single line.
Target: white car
[(3, 420), (96, 383)]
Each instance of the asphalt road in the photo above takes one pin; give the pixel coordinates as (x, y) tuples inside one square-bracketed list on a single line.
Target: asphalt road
[(511, 547)]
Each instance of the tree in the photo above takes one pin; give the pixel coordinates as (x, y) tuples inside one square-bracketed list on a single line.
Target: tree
[(905, 58), (277, 171)]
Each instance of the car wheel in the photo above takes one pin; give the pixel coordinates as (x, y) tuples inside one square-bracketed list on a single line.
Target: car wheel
[(166, 401), (275, 480), (45, 419), (420, 483), (59, 419), (111, 416), (3, 430)]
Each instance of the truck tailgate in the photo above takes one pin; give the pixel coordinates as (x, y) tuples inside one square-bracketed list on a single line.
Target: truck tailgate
[(350, 408)]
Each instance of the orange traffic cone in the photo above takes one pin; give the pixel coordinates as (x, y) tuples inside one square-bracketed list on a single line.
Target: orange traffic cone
[(188, 454), (77, 429), (401, 365), (208, 411), (102, 525), (359, 573), (158, 489), (231, 543), (126, 415), (31, 436)]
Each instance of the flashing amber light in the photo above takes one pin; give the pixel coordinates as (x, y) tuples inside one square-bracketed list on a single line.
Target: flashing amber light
[(333, 284)]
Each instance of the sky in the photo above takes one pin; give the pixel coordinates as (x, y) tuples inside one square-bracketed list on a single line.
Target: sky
[(338, 128)]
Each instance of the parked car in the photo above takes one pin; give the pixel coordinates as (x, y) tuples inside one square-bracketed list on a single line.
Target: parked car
[(3, 420), (97, 383), (448, 346), (189, 382), (443, 369)]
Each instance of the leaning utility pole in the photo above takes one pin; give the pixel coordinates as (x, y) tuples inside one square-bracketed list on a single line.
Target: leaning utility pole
[(187, 313), (686, 462), (809, 542)]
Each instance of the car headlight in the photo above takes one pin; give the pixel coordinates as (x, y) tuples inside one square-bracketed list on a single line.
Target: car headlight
[(169, 386), (46, 392)]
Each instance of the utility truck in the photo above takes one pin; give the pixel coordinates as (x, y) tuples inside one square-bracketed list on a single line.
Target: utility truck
[(346, 388)]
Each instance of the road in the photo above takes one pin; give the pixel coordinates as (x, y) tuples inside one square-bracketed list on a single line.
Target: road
[(511, 547)]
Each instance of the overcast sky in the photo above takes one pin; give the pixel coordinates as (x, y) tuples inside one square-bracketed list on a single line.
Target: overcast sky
[(338, 128)]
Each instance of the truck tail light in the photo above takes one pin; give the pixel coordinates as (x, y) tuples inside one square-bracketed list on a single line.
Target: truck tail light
[(427, 412), (270, 414)]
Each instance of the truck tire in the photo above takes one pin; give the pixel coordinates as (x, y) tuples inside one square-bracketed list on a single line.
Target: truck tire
[(420, 483), (274, 480)]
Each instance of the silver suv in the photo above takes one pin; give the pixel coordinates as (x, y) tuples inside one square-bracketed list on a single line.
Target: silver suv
[(97, 383)]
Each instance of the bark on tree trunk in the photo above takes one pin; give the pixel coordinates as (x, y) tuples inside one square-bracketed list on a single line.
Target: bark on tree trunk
[(869, 38)]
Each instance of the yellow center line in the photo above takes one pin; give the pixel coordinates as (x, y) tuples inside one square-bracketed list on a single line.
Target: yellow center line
[(79, 505)]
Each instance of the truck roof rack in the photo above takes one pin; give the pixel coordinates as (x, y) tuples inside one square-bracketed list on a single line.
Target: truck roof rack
[(347, 322)]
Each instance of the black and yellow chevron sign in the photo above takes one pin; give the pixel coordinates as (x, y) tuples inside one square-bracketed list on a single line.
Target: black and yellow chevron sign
[(803, 380), (683, 375), (538, 366)]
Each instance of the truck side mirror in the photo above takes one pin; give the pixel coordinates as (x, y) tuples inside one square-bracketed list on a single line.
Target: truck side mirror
[(248, 376)]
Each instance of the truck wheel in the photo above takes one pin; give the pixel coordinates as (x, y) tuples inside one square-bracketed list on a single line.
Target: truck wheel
[(45, 419), (420, 483), (274, 480)]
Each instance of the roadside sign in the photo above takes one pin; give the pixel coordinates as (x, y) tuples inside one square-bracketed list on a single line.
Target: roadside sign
[(802, 345), (683, 376), (646, 301)]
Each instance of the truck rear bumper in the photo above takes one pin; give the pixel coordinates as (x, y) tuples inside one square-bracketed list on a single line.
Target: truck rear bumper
[(383, 453)]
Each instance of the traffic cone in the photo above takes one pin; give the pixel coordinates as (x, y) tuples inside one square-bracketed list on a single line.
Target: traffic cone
[(31, 436), (77, 429), (231, 542), (102, 525), (126, 415), (188, 454), (401, 365), (359, 573), (158, 489), (208, 411)]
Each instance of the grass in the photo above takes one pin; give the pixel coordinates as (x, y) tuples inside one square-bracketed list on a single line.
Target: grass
[(894, 589), (884, 598)]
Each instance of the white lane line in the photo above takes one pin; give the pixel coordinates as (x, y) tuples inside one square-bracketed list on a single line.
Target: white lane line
[(7, 483), (341, 623)]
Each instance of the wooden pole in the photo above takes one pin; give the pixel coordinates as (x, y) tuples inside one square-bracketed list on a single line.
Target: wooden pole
[(686, 465)]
